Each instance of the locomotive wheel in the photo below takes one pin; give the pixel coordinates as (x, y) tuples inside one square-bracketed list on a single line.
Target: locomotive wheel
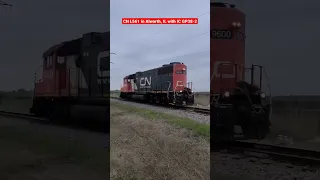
[(249, 132), (58, 113), (223, 121), (150, 99), (154, 99), (263, 128), (221, 134), (255, 131), (248, 126), (165, 101)]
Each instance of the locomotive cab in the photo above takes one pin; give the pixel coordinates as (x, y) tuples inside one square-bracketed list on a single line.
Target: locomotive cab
[(128, 87), (183, 94), (235, 102)]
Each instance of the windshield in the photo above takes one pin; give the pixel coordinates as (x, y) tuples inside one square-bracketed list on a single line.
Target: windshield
[(180, 72)]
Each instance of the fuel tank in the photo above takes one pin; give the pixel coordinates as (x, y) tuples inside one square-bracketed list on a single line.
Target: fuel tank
[(227, 46), (138, 97)]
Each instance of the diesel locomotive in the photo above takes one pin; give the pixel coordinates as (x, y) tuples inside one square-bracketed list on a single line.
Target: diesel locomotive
[(75, 74), (235, 101), (165, 85)]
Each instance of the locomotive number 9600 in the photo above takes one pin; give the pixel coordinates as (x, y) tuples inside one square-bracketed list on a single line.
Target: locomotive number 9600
[(221, 34)]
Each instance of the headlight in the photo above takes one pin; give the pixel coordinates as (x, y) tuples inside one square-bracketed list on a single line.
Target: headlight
[(262, 95), (180, 91), (226, 94)]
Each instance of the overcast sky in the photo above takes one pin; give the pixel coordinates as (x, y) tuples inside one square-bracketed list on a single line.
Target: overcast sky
[(282, 35), (32, 26), (143, 47)]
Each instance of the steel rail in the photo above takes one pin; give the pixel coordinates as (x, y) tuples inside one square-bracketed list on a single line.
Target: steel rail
[(187, 108), (278, 153)]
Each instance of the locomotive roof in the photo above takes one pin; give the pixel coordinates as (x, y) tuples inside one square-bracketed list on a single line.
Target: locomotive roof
[(131, 76), (67, 47), (221, 4), (170, 65)]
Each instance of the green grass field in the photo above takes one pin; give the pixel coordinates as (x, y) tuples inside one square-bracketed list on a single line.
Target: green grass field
[(198, 128)]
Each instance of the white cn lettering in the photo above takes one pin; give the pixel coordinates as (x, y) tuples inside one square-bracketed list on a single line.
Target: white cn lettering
[(145, 81), (104, 73)]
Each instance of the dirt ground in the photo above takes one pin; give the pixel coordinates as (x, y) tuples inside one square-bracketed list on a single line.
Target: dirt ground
[(33, 151), (153, 149), (301, 124), (15, 105)]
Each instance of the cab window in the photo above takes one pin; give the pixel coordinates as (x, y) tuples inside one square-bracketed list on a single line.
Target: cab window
[(180, 72), (48, 62)]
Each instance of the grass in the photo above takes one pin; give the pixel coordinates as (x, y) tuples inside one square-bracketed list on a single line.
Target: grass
[(114, 94), (144, 148), (198, 128)]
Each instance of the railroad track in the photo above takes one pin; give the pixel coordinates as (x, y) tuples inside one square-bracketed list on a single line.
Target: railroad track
[(199, 110), (187, 108), (86, 126), (277, 153), (21, 115)]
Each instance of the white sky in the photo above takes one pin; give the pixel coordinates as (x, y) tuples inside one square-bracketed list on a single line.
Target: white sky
[(143, 47)]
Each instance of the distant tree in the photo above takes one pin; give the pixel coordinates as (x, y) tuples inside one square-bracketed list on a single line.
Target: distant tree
[(21, 90)]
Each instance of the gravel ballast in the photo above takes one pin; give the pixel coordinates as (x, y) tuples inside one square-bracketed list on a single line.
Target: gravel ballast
[(201, 118)]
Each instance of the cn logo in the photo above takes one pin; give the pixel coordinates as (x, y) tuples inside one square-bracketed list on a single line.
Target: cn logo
[(179, 84), (60, 60), (104, 55), (145, 82)]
